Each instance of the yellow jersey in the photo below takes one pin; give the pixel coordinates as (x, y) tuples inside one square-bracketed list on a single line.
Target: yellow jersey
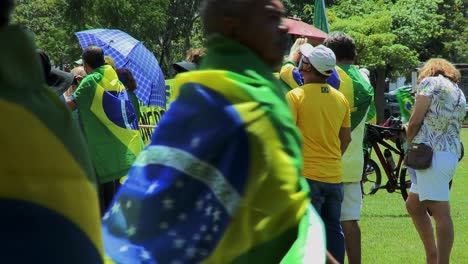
[(320, 111)]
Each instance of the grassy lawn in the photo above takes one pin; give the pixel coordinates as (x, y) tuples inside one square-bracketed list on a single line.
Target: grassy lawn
[(388, 234)]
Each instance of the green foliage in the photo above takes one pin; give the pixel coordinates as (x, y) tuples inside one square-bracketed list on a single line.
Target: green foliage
[(297, 8), (44, 19), (387, 32), (455, 36), (166, 27), (349, 8), (175, 40), (418, 26), (375, 44)]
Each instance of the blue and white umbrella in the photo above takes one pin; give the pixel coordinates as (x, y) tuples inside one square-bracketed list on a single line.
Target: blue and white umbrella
[(130, 53)]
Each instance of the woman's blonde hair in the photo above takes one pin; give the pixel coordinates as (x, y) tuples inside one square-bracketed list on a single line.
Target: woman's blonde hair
[(434, 67)]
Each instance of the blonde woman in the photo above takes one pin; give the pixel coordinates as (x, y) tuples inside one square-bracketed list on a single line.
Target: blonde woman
[(436, 120)]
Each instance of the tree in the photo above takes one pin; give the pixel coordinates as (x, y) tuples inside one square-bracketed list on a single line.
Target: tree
[(434, 28), (44, 19), (176, 40), (455, 36), (165, 27), (376, 45), (417, 25)]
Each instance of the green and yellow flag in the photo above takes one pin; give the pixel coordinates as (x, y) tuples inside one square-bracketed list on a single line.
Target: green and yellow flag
[(109, 123)]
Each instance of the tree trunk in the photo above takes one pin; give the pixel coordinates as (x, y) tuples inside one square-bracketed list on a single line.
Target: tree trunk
[(379, 94)]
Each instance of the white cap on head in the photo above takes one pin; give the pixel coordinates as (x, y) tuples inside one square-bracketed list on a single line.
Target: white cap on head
[(322, 58)]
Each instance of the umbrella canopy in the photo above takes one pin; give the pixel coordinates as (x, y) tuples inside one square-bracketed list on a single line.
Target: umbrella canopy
[(130, 53), (297, 27)]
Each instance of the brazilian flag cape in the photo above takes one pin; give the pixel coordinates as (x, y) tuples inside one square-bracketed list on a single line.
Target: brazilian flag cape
[(109, 122), (221, 180), (359, 94), (48, 195)]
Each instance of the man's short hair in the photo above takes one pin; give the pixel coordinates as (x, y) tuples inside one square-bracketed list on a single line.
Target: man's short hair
[(5, 8), (212, 11), (342, 45), (94, 56)]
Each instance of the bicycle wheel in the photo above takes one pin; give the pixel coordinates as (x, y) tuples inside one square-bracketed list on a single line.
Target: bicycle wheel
[(371, 178), (405, 183)]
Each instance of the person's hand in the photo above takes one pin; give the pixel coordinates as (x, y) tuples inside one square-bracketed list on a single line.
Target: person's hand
[(295, 53), (78, 79), (331, 259)]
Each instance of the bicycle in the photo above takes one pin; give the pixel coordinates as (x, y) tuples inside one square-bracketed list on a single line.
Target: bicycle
[(374, 137)]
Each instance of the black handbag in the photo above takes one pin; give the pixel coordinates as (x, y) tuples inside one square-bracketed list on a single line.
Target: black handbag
[(462, 154), (419, 156)]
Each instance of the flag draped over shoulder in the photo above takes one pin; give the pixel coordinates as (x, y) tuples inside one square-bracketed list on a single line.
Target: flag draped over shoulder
[(48, 195), (109, 122), (358, 92), (186, 201)]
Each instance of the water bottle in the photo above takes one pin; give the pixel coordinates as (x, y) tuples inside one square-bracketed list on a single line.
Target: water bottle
[(389, 159)]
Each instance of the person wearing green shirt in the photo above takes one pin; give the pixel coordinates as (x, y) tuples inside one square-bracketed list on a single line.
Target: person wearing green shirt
[(109, 122)]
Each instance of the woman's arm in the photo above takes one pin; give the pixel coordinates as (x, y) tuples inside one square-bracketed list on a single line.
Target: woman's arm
[(421, 107)]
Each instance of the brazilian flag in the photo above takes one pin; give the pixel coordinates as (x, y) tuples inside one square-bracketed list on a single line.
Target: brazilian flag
[(221, 180), (405, 102), (48, 195), (109, 122)]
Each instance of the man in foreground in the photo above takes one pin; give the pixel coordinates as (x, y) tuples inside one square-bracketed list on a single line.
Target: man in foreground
[(221, 180)]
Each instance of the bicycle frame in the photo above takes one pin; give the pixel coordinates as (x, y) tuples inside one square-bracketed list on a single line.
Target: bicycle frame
[(375, 138), (391, 175)]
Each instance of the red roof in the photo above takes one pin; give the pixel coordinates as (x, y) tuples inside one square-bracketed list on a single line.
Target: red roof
[(297, 27)]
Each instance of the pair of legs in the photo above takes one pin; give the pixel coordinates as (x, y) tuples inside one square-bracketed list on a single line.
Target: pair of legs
[(436, 252), (326, 199), (350, 215), (430, 191)]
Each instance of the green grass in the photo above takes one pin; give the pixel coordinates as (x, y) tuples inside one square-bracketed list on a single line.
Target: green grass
[(388, 234)]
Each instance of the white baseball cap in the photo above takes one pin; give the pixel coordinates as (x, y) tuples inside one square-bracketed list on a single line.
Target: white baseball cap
[(322, 58)]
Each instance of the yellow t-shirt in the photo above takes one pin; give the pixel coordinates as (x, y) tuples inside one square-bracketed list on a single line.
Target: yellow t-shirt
[(320, 112)]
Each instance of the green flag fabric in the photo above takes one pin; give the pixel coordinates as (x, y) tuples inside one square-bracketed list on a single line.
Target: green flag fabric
[(320, 16), (405, 101), (109, 123)]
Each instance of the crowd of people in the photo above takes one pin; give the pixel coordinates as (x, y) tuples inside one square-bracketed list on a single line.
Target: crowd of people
[(244, 167)]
